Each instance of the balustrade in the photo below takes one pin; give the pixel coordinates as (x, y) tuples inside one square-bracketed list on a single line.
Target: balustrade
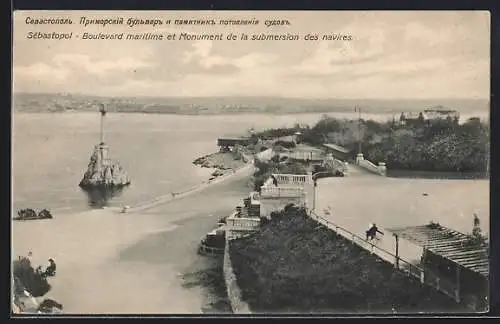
[(242, 223), (297, 155), (291, 178), (281, 192)]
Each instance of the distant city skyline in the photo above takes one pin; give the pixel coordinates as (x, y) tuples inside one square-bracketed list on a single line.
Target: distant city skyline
[(393, 55)]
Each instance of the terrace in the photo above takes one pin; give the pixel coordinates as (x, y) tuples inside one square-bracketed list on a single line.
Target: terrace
[(284, 186), (282, 189), (244, 219)]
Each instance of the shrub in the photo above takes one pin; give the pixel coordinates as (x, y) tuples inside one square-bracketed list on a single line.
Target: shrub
[(264, 221), (33, 282), (433, 225), (44, 214), (284, 144)]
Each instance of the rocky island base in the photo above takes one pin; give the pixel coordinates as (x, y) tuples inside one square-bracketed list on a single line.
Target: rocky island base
[(102, 172), (31, 214)]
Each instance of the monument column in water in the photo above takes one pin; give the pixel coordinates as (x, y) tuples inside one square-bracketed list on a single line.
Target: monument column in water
[(101, 171)]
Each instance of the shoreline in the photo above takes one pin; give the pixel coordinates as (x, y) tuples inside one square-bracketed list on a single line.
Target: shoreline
[(221, 163), (128, 251)]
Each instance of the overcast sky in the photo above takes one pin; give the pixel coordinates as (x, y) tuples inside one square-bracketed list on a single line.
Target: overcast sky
[(392, 55)]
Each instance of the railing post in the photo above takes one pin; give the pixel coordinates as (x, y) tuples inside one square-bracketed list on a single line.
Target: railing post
[(396, 259), (457, 289)]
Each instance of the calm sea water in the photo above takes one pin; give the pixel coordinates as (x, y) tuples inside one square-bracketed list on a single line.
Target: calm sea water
[(156, 254), (51, 152)]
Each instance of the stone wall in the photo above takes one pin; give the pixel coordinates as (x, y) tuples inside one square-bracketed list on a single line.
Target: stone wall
[(269, 205), (238, 305)]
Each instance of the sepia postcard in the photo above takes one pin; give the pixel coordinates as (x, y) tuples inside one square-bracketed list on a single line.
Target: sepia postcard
[(250, 162)]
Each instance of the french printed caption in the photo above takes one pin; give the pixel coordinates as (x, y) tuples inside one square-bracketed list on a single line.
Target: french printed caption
[(157, 35)]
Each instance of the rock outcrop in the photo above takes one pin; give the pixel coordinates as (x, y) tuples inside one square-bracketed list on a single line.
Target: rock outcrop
[(102, 172), (30, 214)]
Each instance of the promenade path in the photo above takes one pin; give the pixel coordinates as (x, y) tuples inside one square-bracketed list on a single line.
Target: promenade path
[(362, 198)]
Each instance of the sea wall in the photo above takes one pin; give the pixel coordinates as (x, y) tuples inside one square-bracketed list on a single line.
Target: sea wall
[(233, 290), (245, 170)]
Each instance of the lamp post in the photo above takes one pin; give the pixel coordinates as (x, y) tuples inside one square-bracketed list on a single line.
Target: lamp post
[(359, 130), (314, 194)]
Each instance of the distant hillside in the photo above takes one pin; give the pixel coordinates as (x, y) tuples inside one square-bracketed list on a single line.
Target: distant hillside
[(24, 102)]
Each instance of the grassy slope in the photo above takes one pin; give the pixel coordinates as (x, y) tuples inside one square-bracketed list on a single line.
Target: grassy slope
[(296, 265)]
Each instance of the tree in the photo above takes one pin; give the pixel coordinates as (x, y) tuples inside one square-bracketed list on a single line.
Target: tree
[(477, 237), (420, 120), (476, 229)]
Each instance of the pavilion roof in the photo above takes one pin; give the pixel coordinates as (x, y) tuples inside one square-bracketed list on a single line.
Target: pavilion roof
[(449, 244), (336, 147)]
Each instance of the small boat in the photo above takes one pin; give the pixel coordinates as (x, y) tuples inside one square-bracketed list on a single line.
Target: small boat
[(213, 243)]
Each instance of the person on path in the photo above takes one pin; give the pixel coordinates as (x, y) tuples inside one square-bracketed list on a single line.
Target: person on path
[(50, 271), (371, 233)]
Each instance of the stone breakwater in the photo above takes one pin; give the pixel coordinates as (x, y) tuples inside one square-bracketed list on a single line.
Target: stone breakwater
[(245, 171), (102, 172), (234, 295)]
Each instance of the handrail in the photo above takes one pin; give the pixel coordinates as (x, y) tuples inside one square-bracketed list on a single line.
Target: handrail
[(353, 235), (411, 269), (327, 173), (370, 163), (423, 274), (370, 166)]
